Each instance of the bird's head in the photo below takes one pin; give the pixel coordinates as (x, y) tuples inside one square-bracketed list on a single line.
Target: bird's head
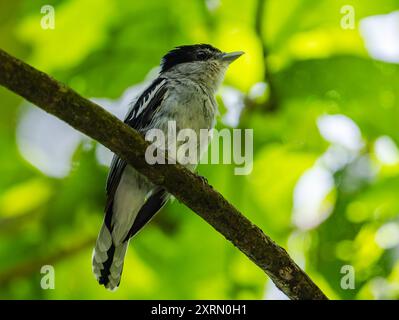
[(201, 63)]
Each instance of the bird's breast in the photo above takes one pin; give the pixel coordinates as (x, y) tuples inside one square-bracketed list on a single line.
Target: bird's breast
[(191, 107), (187, 107)]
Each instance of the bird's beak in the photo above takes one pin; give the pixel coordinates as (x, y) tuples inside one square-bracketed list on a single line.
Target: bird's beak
[(231, 56)]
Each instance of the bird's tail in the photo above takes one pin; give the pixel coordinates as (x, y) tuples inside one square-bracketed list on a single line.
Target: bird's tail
[(108, 259)]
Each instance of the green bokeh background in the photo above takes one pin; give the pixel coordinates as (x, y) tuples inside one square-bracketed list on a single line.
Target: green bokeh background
[(319, 75)]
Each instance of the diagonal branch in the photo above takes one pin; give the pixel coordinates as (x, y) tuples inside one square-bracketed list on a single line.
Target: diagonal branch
[(89, 118)]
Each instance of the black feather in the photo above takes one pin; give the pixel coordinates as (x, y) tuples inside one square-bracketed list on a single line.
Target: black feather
[(148, 210), (105, 271), (140, 120)]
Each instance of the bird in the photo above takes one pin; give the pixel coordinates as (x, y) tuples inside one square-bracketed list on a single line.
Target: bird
[(183, 92)]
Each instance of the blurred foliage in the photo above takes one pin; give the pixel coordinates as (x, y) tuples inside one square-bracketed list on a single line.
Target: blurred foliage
[(325, 182)]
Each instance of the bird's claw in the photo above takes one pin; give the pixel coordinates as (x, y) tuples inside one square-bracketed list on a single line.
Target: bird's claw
[(204, 180)]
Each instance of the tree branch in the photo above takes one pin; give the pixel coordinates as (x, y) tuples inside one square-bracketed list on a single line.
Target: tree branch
[(89, 118)]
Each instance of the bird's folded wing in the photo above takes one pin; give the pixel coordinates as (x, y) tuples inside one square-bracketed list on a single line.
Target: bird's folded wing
[(139, 117), (154, 203)]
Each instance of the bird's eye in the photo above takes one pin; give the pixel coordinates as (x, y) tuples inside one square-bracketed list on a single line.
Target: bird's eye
[(201, 55)]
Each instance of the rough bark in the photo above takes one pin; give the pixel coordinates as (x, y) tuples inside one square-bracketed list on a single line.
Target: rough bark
[(89, 118)]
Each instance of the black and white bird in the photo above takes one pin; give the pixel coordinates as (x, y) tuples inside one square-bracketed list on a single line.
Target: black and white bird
[(184, 92)]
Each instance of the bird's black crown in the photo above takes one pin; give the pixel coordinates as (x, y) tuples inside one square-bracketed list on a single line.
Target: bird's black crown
[(188, 53)]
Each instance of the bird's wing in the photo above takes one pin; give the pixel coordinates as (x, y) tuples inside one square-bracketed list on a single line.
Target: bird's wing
[(139, 117), (154, 203)]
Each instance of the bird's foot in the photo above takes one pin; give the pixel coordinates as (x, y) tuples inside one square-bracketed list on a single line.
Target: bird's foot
[(204, 179)]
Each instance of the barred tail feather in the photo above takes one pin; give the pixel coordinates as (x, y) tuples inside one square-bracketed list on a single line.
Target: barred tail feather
[(108, 259)]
